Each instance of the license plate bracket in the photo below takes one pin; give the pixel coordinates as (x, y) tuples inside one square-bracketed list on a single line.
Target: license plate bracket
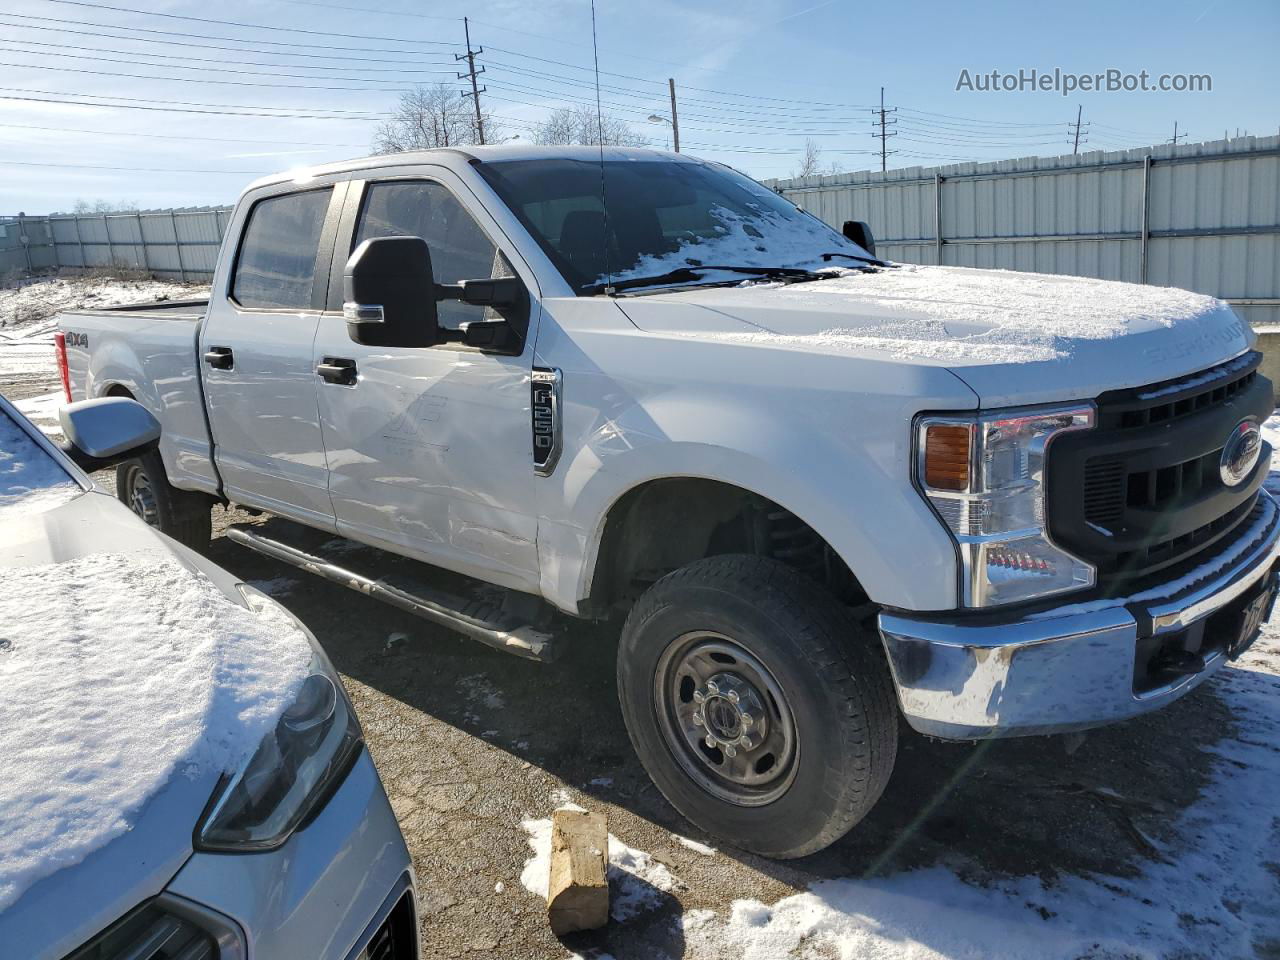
[(1253, 614)]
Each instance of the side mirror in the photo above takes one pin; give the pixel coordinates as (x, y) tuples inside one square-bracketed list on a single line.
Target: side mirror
[(860, 233), (389, 294), (101, 433)]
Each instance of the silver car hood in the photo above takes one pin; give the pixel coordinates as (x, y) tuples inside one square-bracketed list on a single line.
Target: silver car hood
[(66, 908)]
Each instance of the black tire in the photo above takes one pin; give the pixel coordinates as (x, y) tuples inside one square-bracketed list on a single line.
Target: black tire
[(819, 669), (186, 515)]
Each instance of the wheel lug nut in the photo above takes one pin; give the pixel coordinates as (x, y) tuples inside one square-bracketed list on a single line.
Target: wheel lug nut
[(746, 719), (712, 688), (732, 696), (699, 696), (746, 743), (697, 719), (710, 741), (729, 751)]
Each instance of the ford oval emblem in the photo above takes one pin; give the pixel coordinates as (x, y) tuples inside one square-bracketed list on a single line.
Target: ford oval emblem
[(1240, 453)]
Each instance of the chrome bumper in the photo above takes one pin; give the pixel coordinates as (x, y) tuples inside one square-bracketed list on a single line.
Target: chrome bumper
[(1069, 668)]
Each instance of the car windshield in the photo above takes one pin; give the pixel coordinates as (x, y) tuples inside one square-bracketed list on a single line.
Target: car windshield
[(664, 214), (31, 481)]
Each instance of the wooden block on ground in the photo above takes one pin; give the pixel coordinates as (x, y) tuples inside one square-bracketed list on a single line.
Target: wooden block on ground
[(578, 891)]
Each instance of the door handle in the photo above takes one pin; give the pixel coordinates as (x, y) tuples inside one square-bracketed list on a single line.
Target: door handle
[(339, 370), (220, 358)]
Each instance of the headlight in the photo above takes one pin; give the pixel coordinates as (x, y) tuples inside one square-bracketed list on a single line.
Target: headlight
[(985, 476), (293, 769)]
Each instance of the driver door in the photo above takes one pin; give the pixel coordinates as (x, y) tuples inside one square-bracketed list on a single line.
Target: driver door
[(429, 448)]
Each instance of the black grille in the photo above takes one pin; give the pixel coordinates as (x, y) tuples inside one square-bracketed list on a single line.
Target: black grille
[(1143, 490), (150, 933)]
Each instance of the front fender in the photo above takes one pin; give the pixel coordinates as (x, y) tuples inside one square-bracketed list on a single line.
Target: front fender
[(845, 473)]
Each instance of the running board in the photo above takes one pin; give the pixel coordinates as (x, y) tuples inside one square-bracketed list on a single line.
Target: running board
[(474, 619)]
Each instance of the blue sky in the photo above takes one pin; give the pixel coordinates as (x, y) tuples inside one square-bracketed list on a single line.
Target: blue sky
[(212, 105)]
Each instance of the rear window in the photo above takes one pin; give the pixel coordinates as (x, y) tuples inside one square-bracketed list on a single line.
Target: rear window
[(277, 263)]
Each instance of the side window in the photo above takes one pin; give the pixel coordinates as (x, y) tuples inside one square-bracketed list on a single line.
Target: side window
[(459, 248), (277, 262)]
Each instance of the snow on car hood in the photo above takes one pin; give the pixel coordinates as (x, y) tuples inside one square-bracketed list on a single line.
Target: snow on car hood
[(1013, 337), (121, 671)]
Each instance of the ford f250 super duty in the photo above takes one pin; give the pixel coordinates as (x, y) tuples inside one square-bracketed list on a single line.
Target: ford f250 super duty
[(817, 485)]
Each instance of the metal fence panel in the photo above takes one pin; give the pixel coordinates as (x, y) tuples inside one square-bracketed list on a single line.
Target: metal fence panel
[(1202, 216)]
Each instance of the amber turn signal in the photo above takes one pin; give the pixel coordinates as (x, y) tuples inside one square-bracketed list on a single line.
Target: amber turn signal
[(946, 457)]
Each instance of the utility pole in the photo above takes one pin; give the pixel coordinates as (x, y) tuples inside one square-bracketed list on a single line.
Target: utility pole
[(884, 135), (1075, 144), (675, 122), (1177, 136), (472, 74)]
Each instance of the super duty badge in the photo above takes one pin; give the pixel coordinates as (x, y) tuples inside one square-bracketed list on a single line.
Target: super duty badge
[(545, 406)]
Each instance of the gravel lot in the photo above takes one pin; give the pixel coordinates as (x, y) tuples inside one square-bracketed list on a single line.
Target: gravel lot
[(471, 743)]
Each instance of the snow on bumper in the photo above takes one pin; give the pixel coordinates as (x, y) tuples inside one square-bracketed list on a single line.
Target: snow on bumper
[(1071, 667), (324, 894)]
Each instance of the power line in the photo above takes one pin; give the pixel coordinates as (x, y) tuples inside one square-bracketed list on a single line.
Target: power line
[(95, 166), (322, 113), (250, 26), (129, 135), (189, 58), (204, 36)]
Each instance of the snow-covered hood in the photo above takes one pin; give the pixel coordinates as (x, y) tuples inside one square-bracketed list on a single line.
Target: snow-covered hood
[(132, 676), (1013, 337)]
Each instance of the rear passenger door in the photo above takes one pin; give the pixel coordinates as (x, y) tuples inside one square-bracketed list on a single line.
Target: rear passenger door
[(256, 353)]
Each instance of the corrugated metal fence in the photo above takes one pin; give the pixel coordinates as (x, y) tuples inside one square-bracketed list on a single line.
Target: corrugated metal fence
[(1202, 216), (182, 244)]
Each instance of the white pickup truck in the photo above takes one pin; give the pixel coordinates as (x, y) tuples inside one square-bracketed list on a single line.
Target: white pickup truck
[(817, 485)]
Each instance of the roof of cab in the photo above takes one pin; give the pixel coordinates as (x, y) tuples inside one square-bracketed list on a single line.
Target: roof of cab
[(451, 155)]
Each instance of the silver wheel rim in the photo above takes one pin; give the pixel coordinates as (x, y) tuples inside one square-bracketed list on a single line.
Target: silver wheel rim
[(142, 497), (725, 719)]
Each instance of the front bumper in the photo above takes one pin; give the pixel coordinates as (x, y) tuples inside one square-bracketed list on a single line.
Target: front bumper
[(1071, 667), (323, 895)]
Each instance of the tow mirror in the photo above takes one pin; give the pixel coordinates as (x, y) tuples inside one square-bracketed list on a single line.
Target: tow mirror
[(860, 233), (389, 294), (101, 433)]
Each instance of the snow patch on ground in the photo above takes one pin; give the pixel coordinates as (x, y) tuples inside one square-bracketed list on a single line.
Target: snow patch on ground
[(43, 411), (479, 689), (1213, 895), (694, 845), (961, 314), (637, 882), (31, 481), (141, 669)]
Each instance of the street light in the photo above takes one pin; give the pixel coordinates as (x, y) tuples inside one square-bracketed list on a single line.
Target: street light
[(655, 118)]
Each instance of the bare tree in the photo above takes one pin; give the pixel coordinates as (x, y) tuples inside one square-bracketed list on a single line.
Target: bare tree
[(811, 162), (434, 116), (580, 125), (82, 207)]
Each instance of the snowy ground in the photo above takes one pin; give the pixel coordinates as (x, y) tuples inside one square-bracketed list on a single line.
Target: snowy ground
[(28, 309)]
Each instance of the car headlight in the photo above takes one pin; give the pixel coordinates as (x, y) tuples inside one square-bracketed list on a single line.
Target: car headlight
[(985, 476), (295, 766)]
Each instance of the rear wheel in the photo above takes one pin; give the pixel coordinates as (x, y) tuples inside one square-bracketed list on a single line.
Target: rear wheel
[(185, 515), (757, 706)]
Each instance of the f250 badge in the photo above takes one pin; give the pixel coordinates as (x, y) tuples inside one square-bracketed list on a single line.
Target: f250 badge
[(544, 390), (75, 339)]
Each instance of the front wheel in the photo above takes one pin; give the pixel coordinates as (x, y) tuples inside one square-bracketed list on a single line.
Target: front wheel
[(143, 486), (757, 706)]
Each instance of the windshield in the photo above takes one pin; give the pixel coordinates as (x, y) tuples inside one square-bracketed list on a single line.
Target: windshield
[(31, 481), (663, 214)]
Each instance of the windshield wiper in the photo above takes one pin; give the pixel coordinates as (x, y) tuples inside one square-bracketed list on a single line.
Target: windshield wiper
[(853, 256), (690, 273)]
